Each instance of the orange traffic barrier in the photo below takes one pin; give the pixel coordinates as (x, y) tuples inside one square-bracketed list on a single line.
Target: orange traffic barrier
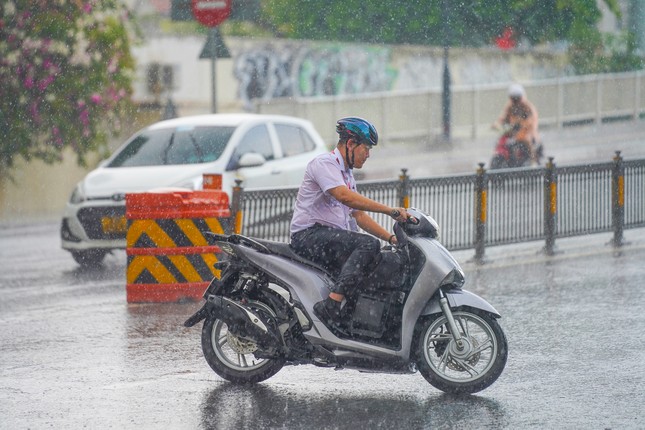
[(170, 258)]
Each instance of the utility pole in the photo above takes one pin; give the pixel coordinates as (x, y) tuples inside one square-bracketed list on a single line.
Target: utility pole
[(211, 13), (213, 49), (445, 95)]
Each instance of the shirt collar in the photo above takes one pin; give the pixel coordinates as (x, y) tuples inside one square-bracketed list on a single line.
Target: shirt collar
[(340, 160)]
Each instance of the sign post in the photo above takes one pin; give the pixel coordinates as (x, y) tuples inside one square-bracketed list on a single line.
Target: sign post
[(211, 13)]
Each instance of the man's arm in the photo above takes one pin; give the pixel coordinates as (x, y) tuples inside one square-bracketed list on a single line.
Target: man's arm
[(368, 224), (357, 201)]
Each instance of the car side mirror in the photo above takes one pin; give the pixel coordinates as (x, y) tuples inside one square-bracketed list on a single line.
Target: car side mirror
[(251, 159)]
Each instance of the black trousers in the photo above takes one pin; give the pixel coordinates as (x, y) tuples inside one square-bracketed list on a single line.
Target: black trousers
[(347, 252)]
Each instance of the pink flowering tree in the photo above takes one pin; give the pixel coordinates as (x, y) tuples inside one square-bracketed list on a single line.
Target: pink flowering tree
[(65, 77)]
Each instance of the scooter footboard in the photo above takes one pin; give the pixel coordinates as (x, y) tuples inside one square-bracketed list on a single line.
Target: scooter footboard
[(457, 298)]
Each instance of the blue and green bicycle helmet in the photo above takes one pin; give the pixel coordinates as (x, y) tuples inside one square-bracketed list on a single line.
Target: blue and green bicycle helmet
[(358, 128)]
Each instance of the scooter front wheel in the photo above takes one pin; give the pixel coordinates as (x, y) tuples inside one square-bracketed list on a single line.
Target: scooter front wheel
[(459, 369), (232, 357)]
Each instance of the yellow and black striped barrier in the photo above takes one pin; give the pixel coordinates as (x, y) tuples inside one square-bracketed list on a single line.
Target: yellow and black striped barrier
[(170, 258)]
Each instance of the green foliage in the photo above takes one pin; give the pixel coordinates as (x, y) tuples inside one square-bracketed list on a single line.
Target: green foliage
[(435, 22), (422, 22), (66, 73), (611, 54), (244, 28), (623, 55)]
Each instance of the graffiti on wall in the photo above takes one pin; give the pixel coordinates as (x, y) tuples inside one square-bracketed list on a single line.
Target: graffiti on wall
[(272, 71)]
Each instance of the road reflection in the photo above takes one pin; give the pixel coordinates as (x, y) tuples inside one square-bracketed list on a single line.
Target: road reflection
[(266, 406), (113, 268), (162, 325)]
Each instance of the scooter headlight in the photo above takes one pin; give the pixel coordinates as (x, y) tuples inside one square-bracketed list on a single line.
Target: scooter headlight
[(454, 279)]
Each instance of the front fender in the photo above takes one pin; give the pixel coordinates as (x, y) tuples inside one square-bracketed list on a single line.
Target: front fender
[(457, 298)]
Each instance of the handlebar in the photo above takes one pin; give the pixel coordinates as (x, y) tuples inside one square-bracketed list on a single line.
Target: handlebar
[(410, 220)]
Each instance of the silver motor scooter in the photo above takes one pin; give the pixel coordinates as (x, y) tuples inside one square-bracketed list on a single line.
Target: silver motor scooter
[(410, 313)]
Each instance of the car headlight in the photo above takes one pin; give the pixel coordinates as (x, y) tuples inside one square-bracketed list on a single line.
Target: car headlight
[(78, 196)]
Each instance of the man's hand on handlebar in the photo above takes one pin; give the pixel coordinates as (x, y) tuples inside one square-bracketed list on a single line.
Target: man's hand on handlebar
[(401, 215)]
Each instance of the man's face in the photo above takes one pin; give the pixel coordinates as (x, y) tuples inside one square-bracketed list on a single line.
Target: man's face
[(516, 99), (361, 154)]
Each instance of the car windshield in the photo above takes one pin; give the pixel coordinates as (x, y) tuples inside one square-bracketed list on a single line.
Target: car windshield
[(181, 145)]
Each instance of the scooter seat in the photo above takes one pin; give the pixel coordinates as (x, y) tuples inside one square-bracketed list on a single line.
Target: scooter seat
[(284, 250)]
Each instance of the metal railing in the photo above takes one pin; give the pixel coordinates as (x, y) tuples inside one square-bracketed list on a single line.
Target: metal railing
[(488, 208), (266, 214), (634, 194)]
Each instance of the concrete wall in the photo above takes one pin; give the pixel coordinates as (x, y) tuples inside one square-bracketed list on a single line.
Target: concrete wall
[(39, 191), (262, 70)]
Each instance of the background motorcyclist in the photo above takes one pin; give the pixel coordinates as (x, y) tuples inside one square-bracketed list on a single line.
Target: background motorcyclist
[(329, 211), (522, 116)]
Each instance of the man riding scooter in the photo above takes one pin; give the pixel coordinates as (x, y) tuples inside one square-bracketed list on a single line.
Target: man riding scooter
[(329, 211), (521, 116)]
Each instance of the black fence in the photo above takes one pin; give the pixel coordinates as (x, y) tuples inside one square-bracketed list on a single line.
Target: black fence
[(488, 208)]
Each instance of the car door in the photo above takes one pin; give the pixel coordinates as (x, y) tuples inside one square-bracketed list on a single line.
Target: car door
[(256, 140), (297, 148)]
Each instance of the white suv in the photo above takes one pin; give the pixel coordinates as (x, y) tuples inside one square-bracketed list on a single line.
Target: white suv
[(264, 151)]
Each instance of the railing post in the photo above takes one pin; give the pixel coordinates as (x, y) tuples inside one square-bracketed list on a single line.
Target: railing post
[(236, 206), (550, 206), (618, 199), (404, 189), (481, 200)]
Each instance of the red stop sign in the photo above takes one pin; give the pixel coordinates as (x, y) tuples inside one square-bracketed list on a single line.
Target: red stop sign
[(211, 12)]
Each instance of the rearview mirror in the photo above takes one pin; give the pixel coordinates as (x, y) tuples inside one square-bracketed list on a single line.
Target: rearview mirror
[(251, 159)]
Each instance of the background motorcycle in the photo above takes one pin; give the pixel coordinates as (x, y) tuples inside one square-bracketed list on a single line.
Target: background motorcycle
[(509, 153), (409, 313)]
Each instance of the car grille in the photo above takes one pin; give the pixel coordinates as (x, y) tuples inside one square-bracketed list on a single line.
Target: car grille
[(92, 220)]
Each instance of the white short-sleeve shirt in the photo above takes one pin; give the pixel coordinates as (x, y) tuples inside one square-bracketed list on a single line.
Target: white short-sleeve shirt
[(314, 204)]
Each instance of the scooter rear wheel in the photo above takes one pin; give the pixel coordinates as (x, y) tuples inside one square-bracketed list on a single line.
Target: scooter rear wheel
[(460, 370), (232, 357)]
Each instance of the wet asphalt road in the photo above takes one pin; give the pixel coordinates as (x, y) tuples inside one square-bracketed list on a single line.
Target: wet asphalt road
[(74, 354)]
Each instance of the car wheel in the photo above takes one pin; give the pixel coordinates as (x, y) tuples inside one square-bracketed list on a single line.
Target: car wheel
[(90, 257)]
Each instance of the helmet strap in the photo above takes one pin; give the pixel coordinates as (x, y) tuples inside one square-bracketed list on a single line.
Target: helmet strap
[(350, 162)]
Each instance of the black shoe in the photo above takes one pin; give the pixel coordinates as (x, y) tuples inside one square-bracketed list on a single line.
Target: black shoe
[(328, 311)]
